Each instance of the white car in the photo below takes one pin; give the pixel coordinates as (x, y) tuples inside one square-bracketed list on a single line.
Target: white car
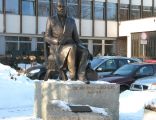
[(146, 83)]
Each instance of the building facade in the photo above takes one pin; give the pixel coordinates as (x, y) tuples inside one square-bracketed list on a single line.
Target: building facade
[(106, 27)]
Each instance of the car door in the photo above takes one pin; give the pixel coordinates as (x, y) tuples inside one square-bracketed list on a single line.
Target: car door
[(144, 71), (106, 68)]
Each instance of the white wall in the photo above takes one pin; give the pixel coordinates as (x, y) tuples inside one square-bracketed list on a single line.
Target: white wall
[(112, 1), (34, 44), (124, 1), (128, 27), (77, 24), (29, 24), (42, 24), (12, 23), (112, 29), (147, 2), (99, 27), (136, 2), (86, 27), (1, 23), (100, 0), (132, 26)]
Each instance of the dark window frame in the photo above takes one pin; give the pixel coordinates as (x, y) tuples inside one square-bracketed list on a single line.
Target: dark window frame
[(43, 5), (10, 8), (112, 8), (73, 8), (86, 6), (1, 6), (125, 8), (100, 6), (32, 10)]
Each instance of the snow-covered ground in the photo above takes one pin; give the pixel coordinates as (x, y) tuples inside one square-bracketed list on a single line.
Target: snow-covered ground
[(17, 98)]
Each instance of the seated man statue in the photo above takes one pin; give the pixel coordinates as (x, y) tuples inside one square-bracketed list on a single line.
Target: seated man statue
[(65, 47)]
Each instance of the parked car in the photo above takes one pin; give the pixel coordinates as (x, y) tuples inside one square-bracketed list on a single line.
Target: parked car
[(103, 65), (146, 83), (36, 72), (128, 73)]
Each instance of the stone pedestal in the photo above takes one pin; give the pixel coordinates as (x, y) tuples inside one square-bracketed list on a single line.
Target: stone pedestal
[(54, 112), (97, 95)]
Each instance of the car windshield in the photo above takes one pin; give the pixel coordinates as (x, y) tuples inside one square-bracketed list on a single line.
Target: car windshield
[(95, 62), (126, 69)]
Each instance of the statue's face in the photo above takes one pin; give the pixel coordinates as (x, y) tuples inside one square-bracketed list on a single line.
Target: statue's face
[(61, 8)]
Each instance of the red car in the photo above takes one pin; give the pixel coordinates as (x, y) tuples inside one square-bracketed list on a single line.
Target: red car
[(128, 73)]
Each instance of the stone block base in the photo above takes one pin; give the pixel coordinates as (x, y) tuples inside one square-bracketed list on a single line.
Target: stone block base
[(100, 95), (54, 112)]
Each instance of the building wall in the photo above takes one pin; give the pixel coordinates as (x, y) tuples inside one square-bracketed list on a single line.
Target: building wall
[(1, 23), (140, 25), (95, 28), (41, 24), (29, 26), (132, 26), (12, 23)]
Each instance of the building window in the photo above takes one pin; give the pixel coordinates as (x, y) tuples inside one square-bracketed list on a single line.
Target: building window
[(86, 9), (54, 7), (40, 44), (124, 12), (1, 6), (97, 47), (135, 45), (99, 10), (73, 9), (43, 7), (12, 6), (22, 44), (135, 12), (154, 8), (110, 47), (28, 7), (147, 11), (111, 11), (143, 49), (11, 44), (154, 11), (150, 47)]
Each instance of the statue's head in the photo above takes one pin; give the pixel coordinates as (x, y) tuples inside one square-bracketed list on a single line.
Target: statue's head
[(61, 8)]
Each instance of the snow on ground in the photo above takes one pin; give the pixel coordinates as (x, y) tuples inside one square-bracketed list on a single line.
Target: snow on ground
[(17, 98), (132, 104), (16, 93)]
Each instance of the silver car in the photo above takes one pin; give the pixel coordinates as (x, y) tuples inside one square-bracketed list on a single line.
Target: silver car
[(146, 83), (105, 65)]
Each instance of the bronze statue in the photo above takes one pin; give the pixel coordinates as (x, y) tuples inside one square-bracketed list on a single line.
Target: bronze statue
[(66, 50)]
